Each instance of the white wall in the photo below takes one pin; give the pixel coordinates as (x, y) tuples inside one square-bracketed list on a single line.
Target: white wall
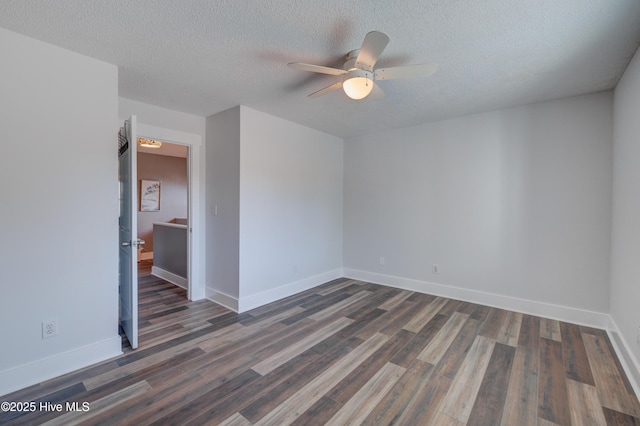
[(223, 206), (59, 192), (161, 117), (277, 190), (290, 207), (513, 203), (625, 254)]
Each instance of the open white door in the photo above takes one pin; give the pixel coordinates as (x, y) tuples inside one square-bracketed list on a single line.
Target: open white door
[(128, 276)]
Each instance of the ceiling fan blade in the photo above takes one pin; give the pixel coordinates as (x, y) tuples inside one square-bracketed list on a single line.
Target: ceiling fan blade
[(407, 71), (372, 46), (316, 68), (326, 90), (376, 93)]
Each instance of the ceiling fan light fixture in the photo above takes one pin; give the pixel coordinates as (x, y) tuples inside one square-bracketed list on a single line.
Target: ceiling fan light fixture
[(149, 143), (358, 84), (359, 72)]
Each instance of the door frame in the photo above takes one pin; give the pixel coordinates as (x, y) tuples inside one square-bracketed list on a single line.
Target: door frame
[(195, 200)]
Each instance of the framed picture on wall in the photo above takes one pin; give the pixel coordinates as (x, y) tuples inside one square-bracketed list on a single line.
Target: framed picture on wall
[(149, 195)]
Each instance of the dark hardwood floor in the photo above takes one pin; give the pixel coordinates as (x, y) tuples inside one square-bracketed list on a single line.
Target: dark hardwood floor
[(347, 352)]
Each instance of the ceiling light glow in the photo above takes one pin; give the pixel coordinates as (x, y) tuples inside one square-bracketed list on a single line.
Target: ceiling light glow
[(149, 143), (358, 84)]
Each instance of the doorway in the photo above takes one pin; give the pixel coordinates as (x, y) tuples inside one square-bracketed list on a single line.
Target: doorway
[(163, 211), (195, 200), (195, 204)]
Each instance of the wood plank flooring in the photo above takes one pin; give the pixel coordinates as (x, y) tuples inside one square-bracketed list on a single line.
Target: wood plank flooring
[(347, 352)]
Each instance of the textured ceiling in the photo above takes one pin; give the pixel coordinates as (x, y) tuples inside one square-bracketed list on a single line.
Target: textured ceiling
[(203, 57)]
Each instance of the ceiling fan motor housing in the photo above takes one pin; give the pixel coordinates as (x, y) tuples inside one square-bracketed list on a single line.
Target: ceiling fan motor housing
[(350, 60)]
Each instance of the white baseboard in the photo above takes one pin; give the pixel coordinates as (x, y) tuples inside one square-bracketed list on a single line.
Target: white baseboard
[(253, 301), (170, 276), (627, 359), (547, 310), (223, 299), (29, 374), (256, 300)]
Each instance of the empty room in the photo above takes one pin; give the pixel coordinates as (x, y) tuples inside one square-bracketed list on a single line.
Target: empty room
[(413, 213)]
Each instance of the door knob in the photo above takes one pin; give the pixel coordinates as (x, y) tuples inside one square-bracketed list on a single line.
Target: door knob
[(133, 243)]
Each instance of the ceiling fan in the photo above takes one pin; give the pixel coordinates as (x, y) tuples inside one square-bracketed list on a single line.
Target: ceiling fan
[(358, 73)]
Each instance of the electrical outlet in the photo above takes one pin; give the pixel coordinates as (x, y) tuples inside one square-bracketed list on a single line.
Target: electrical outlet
[(435, 269), (49, 328)]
